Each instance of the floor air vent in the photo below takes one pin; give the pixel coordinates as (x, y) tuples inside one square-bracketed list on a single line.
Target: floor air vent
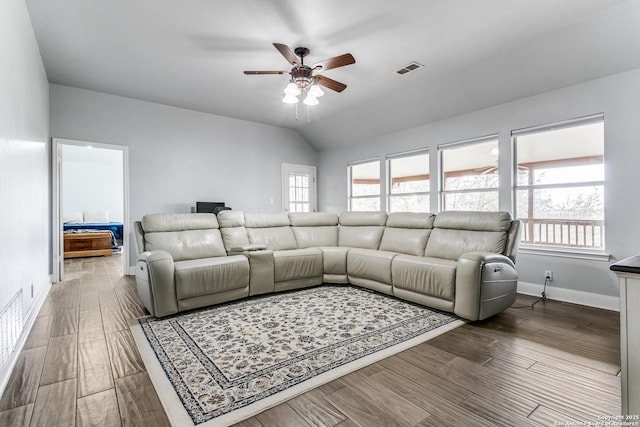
[(10, 327), (412, 66)]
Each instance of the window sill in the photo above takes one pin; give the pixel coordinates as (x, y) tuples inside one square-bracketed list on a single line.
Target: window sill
[(592, 255)]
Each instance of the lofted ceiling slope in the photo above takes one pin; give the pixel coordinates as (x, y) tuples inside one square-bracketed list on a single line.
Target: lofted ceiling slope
[(191, 54)]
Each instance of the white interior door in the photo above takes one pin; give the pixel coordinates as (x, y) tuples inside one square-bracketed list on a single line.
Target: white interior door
[(298, 188)]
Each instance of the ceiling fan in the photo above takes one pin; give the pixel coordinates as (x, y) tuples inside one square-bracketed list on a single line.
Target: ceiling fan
[(303, 79)]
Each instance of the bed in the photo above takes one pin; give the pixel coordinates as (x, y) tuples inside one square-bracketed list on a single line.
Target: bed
[(90, 233), (114, 227)]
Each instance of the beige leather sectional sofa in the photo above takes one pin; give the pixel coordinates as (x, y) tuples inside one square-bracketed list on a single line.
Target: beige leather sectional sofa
[(460, 262)]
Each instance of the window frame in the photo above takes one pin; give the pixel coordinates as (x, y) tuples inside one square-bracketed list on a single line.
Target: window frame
[(406, 154), (350, 196), (599, 253), (441, 172)]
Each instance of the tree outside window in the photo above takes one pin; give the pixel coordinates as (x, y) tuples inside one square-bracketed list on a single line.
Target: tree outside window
[(470, 175), (409, 182), (364, 186)]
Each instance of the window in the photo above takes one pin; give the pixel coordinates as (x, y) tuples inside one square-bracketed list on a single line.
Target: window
[(559, 189), (364, 186), (470, 175), (298, 188), (409, 182)]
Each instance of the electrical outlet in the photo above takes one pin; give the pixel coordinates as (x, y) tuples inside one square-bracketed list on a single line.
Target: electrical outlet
[(548, 275)]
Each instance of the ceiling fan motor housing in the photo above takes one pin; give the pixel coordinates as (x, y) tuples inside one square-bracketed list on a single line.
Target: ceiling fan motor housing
[(302, 76)]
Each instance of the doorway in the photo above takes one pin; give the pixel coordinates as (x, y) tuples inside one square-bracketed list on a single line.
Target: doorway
[(298, 188), (90, 192)]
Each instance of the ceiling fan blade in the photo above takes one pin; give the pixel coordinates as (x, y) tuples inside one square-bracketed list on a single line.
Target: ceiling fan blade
[(266, 72), (330, 83), (335, 62), (287, 53)]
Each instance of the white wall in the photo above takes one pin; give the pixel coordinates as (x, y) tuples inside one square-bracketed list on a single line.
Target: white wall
[(92, 180), (24, 170), (617, 96), (177, 156)]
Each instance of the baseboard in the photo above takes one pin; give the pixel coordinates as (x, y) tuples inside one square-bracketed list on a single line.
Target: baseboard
[(606, 302), (131, 271), (30, 319)]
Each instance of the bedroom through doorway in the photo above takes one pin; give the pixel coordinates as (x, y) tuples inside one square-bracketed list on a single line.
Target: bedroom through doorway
[(90, 202)]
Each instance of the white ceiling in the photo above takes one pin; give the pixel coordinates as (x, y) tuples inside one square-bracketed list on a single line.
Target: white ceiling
[(477, 53)]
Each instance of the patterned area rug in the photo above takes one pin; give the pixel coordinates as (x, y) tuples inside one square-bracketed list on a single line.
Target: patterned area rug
[(226, 363)]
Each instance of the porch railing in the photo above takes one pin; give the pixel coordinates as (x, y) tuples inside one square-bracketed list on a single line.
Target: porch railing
[(575, 233)]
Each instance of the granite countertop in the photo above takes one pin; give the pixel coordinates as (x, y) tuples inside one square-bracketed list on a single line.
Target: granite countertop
[(628, 265)]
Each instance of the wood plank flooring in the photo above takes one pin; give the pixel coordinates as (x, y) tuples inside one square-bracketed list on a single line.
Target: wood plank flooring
[(556, 363)]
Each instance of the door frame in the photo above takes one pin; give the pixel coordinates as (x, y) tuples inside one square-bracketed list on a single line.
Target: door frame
[(313, 198), (56, 183)]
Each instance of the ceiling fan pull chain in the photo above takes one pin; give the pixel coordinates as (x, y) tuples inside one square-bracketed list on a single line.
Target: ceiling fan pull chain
[(296, 111), (308, 114)]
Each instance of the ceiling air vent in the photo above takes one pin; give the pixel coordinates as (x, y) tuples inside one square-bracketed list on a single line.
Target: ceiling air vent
[(408, 68)]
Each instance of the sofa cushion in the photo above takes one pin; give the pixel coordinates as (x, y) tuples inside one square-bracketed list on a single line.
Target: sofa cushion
[(363, 218), (407, 232), (188, 244), (360, 237), (234, 234), (178, 222), (204, 276), (361, 229), (334, 259), (234, 237), (474, 221), (425, 275), (411, 220), (404, 240), (275, 238), (451, 244), (314, 229), (370, 264), (229, 218), (312, 219), (266, 219), (459, 232), (271, 229), (317, 236), (297, 264)]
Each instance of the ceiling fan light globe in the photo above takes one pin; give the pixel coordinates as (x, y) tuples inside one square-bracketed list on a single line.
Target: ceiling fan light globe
[(292, 89), (315, 91), (311, 100), (290, 99)]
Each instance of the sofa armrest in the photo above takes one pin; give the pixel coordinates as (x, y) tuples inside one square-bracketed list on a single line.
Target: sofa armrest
[(486, 284), (247, 248), (261, 268), (156, 283)]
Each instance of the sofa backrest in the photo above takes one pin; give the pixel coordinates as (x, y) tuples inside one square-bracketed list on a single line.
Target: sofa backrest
[(361, 229), (234, 233), (271, 229), (314, 229), (407, 232), (458, 232), (184, 236), (513, 240)]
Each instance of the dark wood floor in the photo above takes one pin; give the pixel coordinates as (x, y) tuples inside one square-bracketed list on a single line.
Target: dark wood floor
[(558, 362)]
